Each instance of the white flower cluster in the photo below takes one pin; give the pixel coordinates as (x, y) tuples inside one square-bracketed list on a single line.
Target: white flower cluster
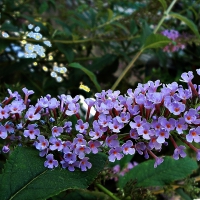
[(33, 50)]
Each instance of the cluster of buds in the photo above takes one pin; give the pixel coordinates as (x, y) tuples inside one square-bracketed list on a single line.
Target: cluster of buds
[(176, 43), (140, 121)]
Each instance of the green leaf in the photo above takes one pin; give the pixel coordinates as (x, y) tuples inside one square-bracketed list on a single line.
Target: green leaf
[(64, 26), (155, 41), (25, 177), (89, 73), (191, 25), (110, 14), (67, 50), (170, 170), (8, 27), (43, 7), (146, 32), (164, 4), (83, 195)]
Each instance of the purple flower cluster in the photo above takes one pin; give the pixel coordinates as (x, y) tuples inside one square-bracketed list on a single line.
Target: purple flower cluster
[(140, 121), (175, 36)]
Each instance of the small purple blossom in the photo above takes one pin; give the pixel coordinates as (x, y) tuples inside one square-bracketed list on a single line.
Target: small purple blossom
[(81, 127), (50, 162), (42, 144), (179, 151), (32, 132), (84, 164), (56, 131), (194, 134), (127, 148), (115, 153)]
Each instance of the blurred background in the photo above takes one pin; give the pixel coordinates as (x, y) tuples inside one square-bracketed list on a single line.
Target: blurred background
[(103, 36)]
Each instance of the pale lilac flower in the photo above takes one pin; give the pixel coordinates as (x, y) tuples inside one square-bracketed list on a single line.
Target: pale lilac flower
[(112, 141), (56, 131), (187, 77), (158, 161), (42, 144), (50, 162), (79, 140), (154, 144), (81, 127), (179, 151), (4, 112), (198, 71), (53, 103), (56, 144), (176, 108), (115, 126), (134, 134), (115, 153), (138, 122), (30, 114), (127, 148), (72, 109), (84, 164), (140, 147), (81, 150), (27, 92), (32, 132), (190, 116), (67, 127), (123, 118), (194, 134), (168, 125), (9, 126), (94, 146), (17, 106), (181, 125), (162, 135), (145, 131), (104, 120), (70, 157)]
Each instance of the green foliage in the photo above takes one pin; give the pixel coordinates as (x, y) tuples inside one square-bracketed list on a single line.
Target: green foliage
[(25, 177), (170, 170)]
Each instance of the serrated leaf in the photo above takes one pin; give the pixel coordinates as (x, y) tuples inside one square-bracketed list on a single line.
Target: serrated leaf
[(170, 170), (89, 73), (191, 25), (164, 4), (155, 41), (25, 177)]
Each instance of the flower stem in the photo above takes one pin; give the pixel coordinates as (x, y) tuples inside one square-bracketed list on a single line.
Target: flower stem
[(109, 193), (141, 51)]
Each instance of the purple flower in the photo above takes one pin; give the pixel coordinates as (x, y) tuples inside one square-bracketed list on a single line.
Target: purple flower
[(82, 127), (198, 71), (123, 118), (50, 162), (42, 144), (67, 127), (158, 161), (27, 92), (53, 103), (84, 164), (179, 151), (56, 131), (115, 154), (70, 165), (162, 134), (70, 157), (176, 108), (140, 147), (181, 125), (31, 132), (17, 107), (30, 114), (171, 34), (94, 145), (168, 125), (56, 144), (193, 135), (103, 120), (79, 140), (138, 122), (190, 116), (112, 141), (5, 149), (9, 127), (187, 76), (127, 148), (4, 112), (145, 131), (154, 144), (81, 150), (72, 109), (115, 126)]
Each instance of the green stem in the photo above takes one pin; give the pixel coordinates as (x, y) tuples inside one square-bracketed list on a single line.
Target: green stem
[(109, 193), (140, 52)]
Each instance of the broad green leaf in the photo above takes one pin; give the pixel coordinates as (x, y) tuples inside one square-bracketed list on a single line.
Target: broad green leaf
[(164, 4), (170, 170), (43, 7), (110, 14), (190, 23), (146, 32), (25, 177), (9, 27), (89, 73), (82, 195), (155, 41), (67, 50)]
